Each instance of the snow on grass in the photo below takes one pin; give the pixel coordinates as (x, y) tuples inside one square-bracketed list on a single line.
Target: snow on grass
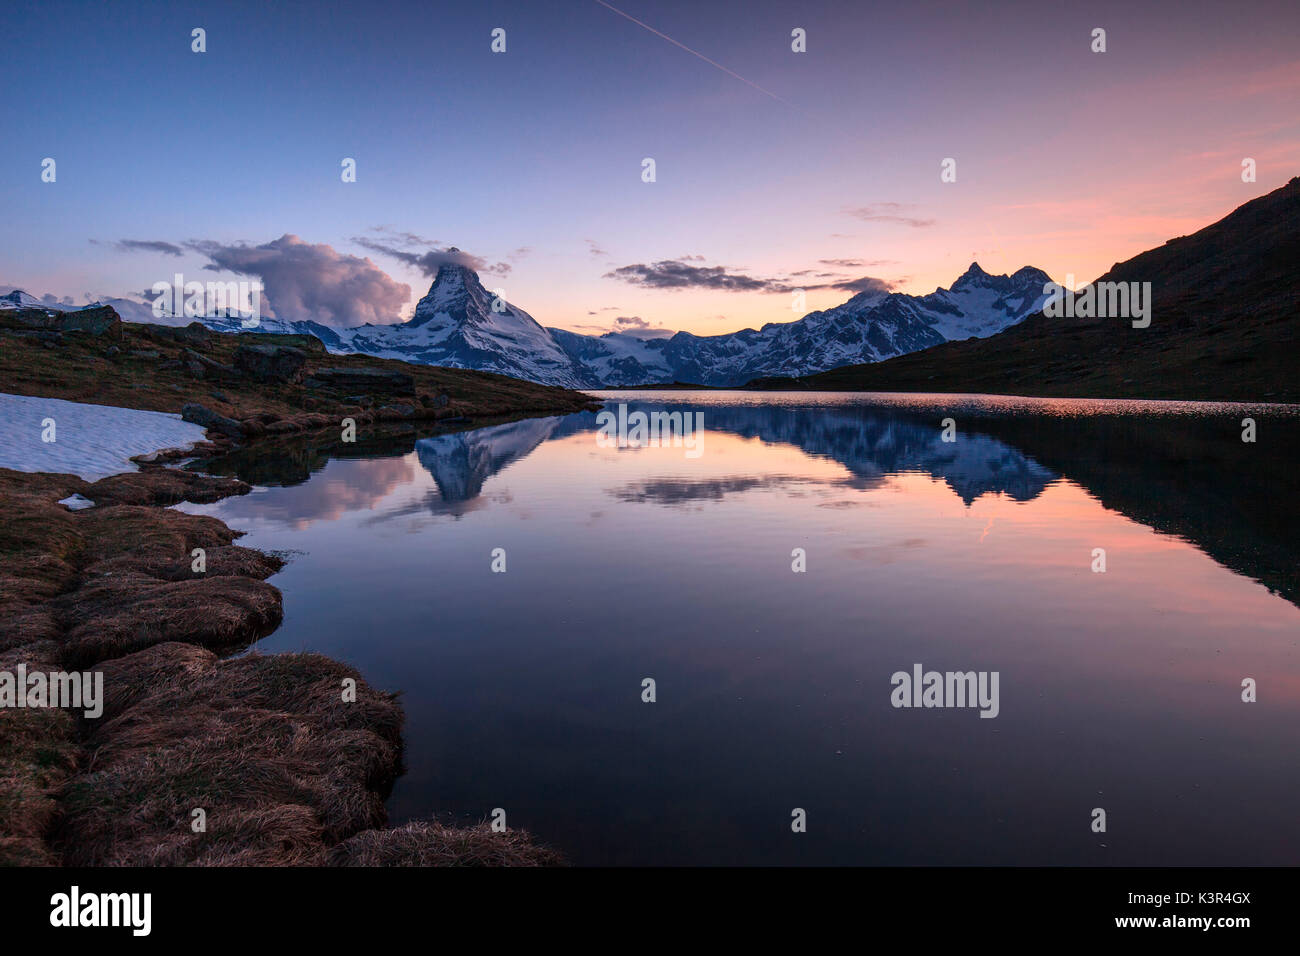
[(92, 441)]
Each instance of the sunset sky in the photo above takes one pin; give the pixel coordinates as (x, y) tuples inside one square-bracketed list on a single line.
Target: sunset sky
[(775, 170)]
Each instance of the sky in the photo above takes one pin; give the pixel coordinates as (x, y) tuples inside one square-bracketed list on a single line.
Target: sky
[(774, 170)]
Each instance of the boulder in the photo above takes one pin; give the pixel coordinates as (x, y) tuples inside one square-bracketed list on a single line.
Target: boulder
[(100, 320), (207, 418), (200, 366), (270, 363)]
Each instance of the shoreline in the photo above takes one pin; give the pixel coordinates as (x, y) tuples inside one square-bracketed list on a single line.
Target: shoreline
[(200, 757), (282, 759)]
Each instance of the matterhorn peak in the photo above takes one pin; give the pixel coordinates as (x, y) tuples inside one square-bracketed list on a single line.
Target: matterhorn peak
[(456, 293)]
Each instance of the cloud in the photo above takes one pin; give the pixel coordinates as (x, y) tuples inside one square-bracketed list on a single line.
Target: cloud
[(431, 260), (889, 212), (402, 238), (679, 274), (864, 284), (640, 328), (858, 263), (303, 280), (146, 245), (630, 325), (595, 249)]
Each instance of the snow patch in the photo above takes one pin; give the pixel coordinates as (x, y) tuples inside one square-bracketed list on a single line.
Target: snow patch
[(90, 441)]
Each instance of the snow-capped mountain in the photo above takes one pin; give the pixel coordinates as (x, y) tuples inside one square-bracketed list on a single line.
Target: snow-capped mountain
[(335, 339), (461, 324), (127, 309), (18, 299), (869, 327)]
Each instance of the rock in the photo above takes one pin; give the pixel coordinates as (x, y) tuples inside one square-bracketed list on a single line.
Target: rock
[(270, 363), (139, 353), (100, 320), (400, 411), (207, 418), (208, 368), (103, 320), (366, 380)]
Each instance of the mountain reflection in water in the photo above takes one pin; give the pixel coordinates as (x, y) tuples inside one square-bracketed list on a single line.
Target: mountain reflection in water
[(1180, 468)]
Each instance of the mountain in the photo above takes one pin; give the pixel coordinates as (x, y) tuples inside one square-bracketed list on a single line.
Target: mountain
[(127, 309), (871, 326), (335, 339), (1225, 325), (462, 325), (18, 299)]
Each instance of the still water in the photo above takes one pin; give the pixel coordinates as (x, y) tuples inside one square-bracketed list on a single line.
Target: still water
[(1120, 690)]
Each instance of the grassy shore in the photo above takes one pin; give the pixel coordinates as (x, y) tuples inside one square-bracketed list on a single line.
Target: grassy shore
[(162, 369), (289, 757)]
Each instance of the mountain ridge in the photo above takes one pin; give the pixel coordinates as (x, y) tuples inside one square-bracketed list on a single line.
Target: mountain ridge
[(460, 324)]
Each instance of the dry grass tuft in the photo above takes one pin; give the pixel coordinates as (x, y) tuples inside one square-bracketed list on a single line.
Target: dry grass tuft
[(138, 529), (78, 587), (287, 772), (428, 843), (223, 561), (124, 613), (163, 486), (265, 745)]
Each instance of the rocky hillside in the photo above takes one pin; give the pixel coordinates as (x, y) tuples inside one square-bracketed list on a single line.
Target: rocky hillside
[(247, 386)]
